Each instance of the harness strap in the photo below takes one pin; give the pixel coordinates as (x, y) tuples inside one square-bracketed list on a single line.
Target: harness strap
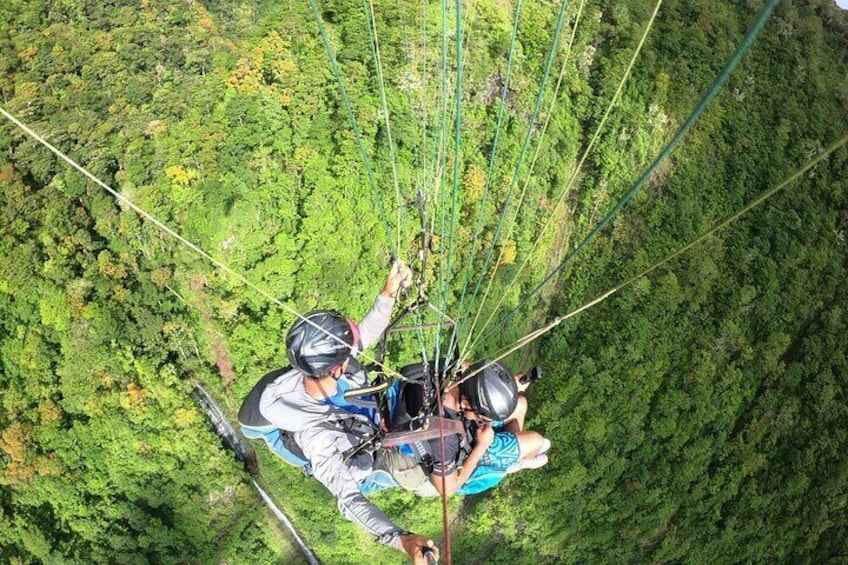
[(362, 391), (430, 431)]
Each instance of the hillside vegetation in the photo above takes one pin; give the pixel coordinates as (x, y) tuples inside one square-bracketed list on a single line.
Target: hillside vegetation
[(699, 416)]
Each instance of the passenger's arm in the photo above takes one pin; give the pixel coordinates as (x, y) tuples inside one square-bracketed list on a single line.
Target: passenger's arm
[(454, 480)]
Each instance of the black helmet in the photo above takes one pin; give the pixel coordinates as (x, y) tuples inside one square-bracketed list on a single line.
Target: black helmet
[(315, 350), (492, 392)]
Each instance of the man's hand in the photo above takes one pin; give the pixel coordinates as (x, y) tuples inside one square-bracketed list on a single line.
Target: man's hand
[(484, 436), (400, 276), (416, 546)]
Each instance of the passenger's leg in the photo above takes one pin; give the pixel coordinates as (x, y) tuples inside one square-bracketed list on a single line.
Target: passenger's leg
[(529, 443), (515, 422), (532, 446), (512, 452)]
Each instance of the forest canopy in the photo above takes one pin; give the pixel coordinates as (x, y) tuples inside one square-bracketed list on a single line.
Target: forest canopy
[(700, 415)]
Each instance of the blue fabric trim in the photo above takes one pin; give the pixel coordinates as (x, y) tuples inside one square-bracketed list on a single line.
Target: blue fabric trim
[(482, 479), (491, 470), (338, 400), (377, 481), (272, 437)]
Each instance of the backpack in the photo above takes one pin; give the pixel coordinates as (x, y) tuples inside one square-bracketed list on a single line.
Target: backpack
[(282, 442), (255, 426)]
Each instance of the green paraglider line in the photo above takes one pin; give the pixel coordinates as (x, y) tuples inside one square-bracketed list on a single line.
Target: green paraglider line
[(366, 162), (564, 192), (457, 158), (743, 47), (442, 166), (368, 7), (525, 145), (536, 334), (501, 112)]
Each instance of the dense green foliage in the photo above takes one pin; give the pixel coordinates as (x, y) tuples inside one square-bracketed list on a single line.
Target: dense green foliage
[(700, 416)]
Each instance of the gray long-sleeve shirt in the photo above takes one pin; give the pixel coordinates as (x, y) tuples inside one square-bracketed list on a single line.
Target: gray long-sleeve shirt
[(286, 404)]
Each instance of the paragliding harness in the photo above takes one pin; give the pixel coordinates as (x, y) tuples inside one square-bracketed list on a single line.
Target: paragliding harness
[(408, 405), (414, 421)]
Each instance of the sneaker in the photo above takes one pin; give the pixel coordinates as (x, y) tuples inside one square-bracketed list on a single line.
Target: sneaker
[(546, 445), (534, 463)]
